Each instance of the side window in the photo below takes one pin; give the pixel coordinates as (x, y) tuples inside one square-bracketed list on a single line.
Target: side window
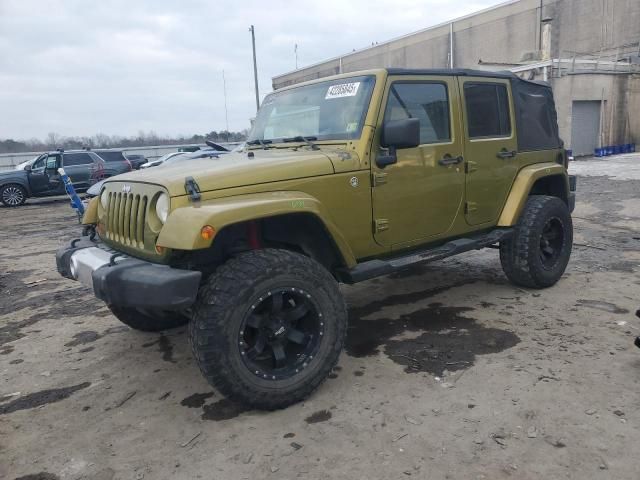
[(428, 102), (487, 110), (39, 163), (53, 162), (76, 159)]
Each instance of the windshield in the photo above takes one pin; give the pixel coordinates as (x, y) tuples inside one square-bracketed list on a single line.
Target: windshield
[(331, 110)]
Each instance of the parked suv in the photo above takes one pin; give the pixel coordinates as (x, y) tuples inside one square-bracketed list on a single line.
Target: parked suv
[(40, 178), (116, 161), (342, 179), (136, 160)]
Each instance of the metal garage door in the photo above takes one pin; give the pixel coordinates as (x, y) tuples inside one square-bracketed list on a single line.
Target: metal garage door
[(585, 126)]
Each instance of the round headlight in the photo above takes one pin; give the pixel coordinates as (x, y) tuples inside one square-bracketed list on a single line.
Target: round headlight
[(162, 207), (104, 199)]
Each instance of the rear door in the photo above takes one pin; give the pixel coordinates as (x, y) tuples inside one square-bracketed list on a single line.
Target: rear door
[(417, 198), (78, 167), (490, 146)]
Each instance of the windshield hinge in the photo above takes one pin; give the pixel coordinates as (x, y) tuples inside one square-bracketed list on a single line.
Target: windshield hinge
[(192, 189), (380, 224), (379, 178)]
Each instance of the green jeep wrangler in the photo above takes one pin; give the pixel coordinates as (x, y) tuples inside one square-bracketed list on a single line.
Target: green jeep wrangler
[(342, 179)]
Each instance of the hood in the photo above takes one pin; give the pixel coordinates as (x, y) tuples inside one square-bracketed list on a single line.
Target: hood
[(236, 169), (12, 173)]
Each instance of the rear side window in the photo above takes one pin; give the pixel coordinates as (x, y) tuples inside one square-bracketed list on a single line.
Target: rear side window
[(487, 110), (428, 102), (112, 156), (71, 159)]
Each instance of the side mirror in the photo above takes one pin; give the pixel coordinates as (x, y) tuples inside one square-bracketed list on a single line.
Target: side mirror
[(398, 134), (27, 168)]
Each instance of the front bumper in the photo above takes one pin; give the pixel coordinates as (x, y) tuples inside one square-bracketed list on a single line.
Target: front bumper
[(124, 281)]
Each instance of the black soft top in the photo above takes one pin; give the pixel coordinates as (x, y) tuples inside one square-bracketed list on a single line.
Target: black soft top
[(536, 116)]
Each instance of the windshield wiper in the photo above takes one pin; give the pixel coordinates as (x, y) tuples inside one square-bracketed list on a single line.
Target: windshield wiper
[(300, 138), (257, 141)]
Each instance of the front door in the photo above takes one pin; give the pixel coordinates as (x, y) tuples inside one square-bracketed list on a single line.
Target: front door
[(490, 146), (417, 198), (39, 177)]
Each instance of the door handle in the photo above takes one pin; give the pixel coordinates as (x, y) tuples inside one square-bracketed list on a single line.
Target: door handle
[(449, 160), (504, 153)]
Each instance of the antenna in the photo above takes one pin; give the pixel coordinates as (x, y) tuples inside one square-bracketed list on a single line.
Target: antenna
[(224, 89)]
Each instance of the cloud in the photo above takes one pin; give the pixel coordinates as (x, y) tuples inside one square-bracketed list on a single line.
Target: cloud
[(79, 68)]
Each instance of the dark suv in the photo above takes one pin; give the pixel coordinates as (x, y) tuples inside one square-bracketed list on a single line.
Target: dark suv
[(115, 160), (40, 178)]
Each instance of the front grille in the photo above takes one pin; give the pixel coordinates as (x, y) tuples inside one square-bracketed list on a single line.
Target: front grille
[(126, 218)]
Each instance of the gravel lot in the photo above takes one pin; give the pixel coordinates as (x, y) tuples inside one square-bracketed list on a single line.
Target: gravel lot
[(450, 372)]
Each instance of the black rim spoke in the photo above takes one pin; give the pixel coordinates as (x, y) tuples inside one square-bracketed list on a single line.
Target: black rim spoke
[(551, 242), (296, 336), (276, 301), (279, 357), (255, 320), (296, 313)]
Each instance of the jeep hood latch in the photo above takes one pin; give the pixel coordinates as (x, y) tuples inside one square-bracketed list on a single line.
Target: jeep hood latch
[(192, 189)]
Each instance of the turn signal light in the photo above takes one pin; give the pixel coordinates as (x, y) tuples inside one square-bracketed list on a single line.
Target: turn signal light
[(159, 249), (207, 232)]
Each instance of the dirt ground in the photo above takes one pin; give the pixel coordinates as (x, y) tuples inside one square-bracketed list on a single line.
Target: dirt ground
[(450, 372)]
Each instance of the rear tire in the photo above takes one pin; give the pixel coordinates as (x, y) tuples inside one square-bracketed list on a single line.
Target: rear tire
[(537, 254), (268, 327), (13, 195), (147, 320)]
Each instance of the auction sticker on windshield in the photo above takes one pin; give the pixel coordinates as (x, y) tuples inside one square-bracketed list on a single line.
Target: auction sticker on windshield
[(342, 90)]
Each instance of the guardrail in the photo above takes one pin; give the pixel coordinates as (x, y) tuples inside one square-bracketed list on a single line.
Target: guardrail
[(10, 160)]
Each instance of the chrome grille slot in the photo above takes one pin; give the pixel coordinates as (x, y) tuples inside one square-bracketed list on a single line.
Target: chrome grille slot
[(126, 217)]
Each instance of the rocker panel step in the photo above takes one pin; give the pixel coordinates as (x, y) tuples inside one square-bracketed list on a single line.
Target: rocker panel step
[(375, 268)]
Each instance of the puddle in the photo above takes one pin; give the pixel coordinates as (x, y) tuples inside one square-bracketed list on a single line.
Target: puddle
[(6, 350), (447, 340), (83, 337), (38, 399), (89, 336), (39, 476), (196, 400), (222, 410), (165, 347), (601, 305), (319, 416)]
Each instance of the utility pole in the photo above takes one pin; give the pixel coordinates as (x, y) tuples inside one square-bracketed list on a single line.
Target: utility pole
[(224, 89), (295, 50), (255, 65)]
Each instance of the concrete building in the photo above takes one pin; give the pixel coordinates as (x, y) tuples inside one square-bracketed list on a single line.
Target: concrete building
[(588, 49)]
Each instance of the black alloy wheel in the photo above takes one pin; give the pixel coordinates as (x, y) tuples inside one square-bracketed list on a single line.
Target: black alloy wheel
[(281, 333)]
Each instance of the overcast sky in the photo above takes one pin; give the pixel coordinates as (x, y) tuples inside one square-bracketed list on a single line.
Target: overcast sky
[(78, 67)]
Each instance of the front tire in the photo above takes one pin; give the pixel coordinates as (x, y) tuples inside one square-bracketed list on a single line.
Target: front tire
[(13, 195), (147, 320), (268, 327), (537, 254)]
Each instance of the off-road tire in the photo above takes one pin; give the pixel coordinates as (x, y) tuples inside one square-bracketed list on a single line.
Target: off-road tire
[(13, 195), (520, 255), (223, 304), (148, 321)]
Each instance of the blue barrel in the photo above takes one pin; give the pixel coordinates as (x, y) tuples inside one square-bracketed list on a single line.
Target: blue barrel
[(597, 152)]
